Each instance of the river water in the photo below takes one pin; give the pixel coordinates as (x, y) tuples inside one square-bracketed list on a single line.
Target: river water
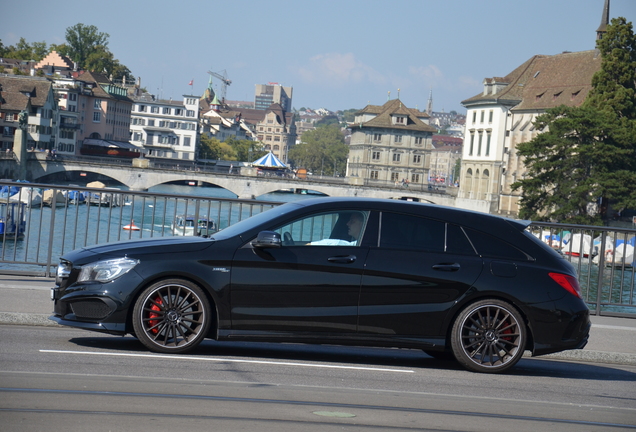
[(52, 232)]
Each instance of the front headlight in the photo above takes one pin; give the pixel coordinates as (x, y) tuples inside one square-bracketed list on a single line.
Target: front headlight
[(106, 271)]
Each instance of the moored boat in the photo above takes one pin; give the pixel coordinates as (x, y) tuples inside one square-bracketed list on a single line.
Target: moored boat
[(184, 225)]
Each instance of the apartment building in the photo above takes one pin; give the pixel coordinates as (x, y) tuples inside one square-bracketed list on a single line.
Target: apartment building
[(390, 143), (35, 96), (165, 129), (273, 93)]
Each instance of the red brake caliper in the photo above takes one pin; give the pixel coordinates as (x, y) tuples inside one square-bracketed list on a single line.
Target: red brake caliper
[(153, 323)]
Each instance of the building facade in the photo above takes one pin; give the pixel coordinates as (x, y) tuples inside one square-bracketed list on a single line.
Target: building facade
[(273, 93), (277, 131), (165, 129), (36, 97), (502, 116), (390, 143)]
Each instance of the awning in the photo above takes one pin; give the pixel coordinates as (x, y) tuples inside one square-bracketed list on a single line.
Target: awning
[(269, 161), (111, 144)]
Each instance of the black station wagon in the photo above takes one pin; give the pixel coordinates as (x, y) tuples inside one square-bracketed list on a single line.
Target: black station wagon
[(386, 273)]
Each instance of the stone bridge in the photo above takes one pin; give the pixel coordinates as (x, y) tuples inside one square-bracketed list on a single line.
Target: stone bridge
[(245, 185)]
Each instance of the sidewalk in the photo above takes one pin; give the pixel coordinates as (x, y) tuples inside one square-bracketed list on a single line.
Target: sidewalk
[(26, 300)]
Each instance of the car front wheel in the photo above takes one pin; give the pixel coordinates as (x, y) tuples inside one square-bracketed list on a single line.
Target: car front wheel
[(171, 316), (488, 336)]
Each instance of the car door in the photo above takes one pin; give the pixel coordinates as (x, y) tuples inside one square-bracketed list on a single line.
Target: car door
[(311, 284), (415, 275)]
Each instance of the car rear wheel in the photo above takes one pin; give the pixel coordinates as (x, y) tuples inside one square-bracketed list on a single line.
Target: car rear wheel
[(489, 336), (171, 316)]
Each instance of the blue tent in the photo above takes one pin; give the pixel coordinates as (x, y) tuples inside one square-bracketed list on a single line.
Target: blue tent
[(269, 161)]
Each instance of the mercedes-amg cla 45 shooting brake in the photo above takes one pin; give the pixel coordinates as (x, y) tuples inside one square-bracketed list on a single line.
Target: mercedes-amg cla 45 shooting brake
[(384, 273)]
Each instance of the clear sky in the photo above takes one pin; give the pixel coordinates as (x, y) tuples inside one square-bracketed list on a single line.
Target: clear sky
[(335, 54)]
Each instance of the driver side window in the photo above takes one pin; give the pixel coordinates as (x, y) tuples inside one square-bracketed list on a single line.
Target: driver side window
[(344, 228)]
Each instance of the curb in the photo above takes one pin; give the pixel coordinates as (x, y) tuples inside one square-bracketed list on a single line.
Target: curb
[(14, 318)]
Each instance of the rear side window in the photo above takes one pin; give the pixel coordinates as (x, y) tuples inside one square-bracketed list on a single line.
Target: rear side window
[(457, 242), (493, 247), (400, 231)]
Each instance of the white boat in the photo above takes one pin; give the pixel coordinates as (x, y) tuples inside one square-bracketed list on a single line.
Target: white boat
[(51, 198), (184, 225), (12, 220), (30, 196)]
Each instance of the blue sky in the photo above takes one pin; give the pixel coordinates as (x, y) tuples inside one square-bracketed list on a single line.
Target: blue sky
[(335, 54)]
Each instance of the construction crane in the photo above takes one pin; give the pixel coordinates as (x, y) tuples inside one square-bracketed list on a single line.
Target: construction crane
[(224, 80)]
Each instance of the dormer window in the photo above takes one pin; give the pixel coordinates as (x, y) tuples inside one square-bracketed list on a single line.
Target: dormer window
[(399, 120)]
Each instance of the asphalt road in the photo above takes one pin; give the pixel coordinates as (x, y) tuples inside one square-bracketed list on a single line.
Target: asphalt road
[(54, 378)]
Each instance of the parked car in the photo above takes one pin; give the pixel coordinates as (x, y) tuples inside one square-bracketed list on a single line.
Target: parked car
[(385, 273)]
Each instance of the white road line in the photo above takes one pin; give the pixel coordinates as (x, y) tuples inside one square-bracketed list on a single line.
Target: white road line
[(222, 360), (611, 327)]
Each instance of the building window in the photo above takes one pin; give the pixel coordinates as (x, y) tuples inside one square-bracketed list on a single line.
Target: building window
[(490, 117), (481, 117), (417, 159), (277, 138), (419, 140), (377, 137), (395, 177), (399, 120), (375, 155), (166, 110), (479, 144), (276, 147), (178, 112), (488, 144), (374, 175), (396, 157), (260, 137), (268, 138), (142, 108), (190, 113), (474, 116), (97, 117), (72, 96), (151, 122), (97, 104), (415, 178), (186, 141), (154, 110), (472, 144), (398, 139)]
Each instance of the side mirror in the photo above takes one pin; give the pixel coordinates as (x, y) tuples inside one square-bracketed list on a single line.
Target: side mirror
[(267, 239)]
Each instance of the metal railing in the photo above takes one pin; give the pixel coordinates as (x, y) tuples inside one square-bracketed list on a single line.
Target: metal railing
[(40, 222), (64, 218), (604, 260)]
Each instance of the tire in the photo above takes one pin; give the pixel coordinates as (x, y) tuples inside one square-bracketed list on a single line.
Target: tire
[(171, 316), (489, 336)]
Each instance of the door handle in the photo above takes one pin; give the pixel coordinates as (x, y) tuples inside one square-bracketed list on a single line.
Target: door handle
[(342, 259), (447, 267)]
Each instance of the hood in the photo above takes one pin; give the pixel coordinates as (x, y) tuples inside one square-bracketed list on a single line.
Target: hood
[(163, 245)]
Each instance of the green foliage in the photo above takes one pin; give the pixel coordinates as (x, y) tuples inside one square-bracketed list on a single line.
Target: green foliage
[(83, 40), (349, 114), (24, 51), (246, 150), (586, 156), (212, 148), (614, 85), (321, 150), (328, 120)]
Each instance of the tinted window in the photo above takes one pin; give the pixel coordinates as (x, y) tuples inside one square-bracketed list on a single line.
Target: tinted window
[(344, 228), (400, 231), (493, 247), (457, 242)]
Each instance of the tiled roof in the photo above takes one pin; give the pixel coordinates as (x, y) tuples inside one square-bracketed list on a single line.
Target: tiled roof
[(16, 90), (544, 82), (100, 79), (384, 113)]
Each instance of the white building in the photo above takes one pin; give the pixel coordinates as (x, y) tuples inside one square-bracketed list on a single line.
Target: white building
[(166, 129)]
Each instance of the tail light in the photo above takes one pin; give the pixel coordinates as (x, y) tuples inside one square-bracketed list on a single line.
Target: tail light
[(570, 283)]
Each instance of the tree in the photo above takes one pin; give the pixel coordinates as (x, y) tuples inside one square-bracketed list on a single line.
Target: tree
[(246, 150), (586, 157), (24, 51), (212, 148), (82, 40), (321, 150)]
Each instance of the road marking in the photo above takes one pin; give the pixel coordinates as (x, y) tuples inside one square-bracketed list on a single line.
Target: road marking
[(611, 327), (222, 360)]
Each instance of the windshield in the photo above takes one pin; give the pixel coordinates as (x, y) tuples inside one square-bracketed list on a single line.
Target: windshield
[(254, 221)]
